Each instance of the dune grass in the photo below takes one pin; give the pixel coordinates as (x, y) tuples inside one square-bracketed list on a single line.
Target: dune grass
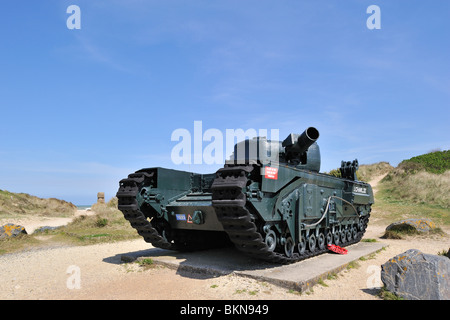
[(22, 205)]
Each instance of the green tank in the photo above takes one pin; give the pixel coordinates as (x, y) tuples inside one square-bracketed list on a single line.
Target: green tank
[(269, 200)]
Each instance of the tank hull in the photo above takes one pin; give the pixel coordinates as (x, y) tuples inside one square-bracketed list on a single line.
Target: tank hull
[(276, 213)]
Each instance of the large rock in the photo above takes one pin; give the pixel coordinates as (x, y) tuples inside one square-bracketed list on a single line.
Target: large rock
[(414, 275), (421, 225), (11, 230)]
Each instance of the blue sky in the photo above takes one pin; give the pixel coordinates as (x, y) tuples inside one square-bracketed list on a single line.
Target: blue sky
[(80, 109)]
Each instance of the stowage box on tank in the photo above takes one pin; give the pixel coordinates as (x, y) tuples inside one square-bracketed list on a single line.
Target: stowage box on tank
[(269, 200)]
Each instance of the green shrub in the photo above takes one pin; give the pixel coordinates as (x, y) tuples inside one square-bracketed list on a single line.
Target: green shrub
[(433, 162)]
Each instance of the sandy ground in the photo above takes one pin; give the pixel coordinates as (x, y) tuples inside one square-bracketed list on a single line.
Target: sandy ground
[(96, 272)]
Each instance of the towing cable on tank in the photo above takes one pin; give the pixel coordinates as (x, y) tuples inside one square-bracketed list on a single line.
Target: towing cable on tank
[(326, 211)]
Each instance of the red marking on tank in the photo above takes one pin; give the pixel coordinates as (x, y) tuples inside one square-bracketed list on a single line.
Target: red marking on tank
[(271, 173)]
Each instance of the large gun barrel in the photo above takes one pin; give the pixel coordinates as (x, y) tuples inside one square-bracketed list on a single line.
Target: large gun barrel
[(296, 144)]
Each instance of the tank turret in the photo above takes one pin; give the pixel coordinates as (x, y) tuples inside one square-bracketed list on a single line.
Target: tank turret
[(299, 150)]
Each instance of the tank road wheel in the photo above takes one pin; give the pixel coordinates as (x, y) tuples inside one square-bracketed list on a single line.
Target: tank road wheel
[(302, 245), (321, 241), (362, 225), (343, 235), (312, 243), (354, 232), (329, 237), (271, 240), (336, 237), (349, 234), (289, 247)]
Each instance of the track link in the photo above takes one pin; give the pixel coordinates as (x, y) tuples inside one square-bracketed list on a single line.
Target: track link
[(229, 202)]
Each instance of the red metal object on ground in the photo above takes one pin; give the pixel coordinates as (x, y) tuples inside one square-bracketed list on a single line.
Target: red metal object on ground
[(337, 249)]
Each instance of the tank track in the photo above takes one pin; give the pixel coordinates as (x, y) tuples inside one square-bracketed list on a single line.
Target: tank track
[(128, 190), (229, 202)]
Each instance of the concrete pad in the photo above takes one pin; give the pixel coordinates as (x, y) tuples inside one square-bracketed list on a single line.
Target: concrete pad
[(298, 276)]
